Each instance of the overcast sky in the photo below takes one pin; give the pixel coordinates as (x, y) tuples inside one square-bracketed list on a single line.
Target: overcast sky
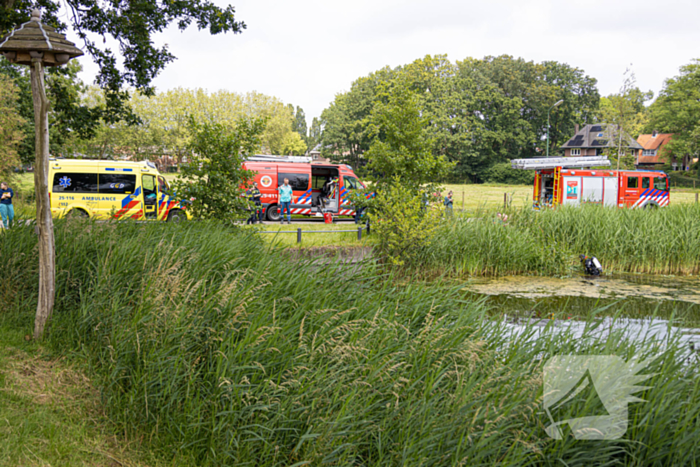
[(306, 51)]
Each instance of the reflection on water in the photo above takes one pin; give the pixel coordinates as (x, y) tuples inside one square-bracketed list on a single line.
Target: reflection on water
[(631, 296)]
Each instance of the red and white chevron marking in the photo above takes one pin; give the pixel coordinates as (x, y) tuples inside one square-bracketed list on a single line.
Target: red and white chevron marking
[(661, 198), (346, 212), (301, 210)]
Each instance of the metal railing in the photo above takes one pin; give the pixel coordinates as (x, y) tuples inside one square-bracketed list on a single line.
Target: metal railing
[(299, 232)]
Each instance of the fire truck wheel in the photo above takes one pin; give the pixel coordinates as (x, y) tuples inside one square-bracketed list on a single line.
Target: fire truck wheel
[(651, 206), (272, 213)]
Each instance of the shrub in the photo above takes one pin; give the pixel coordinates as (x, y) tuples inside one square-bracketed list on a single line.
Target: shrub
[(403, 223), (504, 174)]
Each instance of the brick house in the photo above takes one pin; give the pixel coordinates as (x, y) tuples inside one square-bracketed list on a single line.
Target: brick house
[(655, 152), (593, 140)]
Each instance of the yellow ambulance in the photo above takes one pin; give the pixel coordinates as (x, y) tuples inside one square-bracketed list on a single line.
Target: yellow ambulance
[(112, 190)]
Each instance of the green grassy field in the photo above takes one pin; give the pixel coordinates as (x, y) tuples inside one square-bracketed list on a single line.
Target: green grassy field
[(470, 197)]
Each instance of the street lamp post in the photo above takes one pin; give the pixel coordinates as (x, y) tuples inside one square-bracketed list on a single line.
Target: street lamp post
[(39, 45), (550, 109)]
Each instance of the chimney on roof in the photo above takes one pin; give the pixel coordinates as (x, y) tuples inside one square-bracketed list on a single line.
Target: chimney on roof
[(576, 129), (654, 134)]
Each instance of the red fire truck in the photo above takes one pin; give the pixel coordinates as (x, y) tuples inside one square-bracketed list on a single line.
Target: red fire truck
[(308, 180), (573, 181)]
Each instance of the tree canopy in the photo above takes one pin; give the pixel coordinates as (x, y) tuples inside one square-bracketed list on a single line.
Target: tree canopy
[(478, 112), (11, 123), (127, 55), (677, 110), (165, 128)]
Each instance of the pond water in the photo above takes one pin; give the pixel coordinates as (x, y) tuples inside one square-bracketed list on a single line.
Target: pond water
[(641, 305), (578, 297)]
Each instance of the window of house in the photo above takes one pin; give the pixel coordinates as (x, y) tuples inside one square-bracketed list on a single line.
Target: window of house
[(298, 182), (67, 182), (649, 152), (575, 152), (117, 183), (632, 182), (646, 182)]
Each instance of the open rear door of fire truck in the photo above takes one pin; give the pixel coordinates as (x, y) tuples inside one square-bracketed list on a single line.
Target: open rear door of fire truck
[(557, 180)]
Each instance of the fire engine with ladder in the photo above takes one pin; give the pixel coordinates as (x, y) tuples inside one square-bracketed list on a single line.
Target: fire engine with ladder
[(589, 180)]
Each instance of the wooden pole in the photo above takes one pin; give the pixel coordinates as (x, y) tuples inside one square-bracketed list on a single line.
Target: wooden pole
[(44, 222), (696, 198)]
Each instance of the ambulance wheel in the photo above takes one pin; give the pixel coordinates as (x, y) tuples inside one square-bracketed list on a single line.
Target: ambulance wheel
[(78, 213), (272, 213), (176, 216)]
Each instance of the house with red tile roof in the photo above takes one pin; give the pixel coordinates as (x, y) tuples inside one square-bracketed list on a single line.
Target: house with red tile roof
[(656, 153)]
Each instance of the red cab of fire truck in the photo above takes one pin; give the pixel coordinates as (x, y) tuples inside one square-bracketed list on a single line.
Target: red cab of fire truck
[(317, 186), (572, 181)]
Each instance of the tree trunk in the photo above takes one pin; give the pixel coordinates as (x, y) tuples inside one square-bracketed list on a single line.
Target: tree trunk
[(47, 254)]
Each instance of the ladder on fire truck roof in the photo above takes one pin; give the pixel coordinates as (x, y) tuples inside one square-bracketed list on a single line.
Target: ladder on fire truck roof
[(564, 162), (267, 158)]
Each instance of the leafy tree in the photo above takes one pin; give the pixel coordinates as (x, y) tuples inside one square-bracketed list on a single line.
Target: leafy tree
[(11, 124), (315, 133), (677, 111), (401, 145), (345, 122), (293, 145), (164, 122), (477, 112), (23, 104), (625, 110), (299, 124), (130, 24), (213, 177)]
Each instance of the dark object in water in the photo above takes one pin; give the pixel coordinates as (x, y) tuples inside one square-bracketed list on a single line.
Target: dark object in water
[(591, 265)]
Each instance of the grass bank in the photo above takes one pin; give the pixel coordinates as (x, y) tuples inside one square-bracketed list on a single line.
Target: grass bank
[(662, 241), (51, 412), (209, 344)]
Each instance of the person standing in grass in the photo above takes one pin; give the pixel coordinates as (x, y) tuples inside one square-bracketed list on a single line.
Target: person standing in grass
[(448, 203), (7, 211), (257, 199), (285, 191)]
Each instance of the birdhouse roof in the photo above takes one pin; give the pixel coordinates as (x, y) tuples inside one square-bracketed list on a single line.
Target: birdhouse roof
[(33, 36)]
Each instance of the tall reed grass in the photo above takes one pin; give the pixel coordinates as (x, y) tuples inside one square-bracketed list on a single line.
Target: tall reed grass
[(662, 241), (211, 345)]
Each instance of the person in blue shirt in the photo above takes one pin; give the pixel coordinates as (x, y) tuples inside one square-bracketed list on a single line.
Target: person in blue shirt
[(285, 191), (448, 203), (7, 211)]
